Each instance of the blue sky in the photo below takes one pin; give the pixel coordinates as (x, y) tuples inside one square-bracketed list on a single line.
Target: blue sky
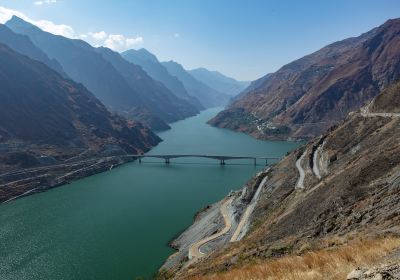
[(244, 39)]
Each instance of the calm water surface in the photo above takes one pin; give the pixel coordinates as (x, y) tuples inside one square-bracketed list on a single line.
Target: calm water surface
[(117, 225)]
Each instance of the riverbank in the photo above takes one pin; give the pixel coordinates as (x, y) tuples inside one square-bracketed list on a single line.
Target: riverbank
[(212, 228), (22, 182), (338, 189), (118, 224)]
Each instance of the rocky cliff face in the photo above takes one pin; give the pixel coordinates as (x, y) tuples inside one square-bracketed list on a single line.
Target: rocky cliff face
[(342, 185), (46, 119), (307, 96)]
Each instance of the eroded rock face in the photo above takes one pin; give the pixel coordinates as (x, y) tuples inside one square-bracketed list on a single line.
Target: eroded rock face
[(306, 97), (389, 271)]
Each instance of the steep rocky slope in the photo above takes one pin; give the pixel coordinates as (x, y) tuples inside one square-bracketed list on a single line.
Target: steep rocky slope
[(208, 96), (24, 45), (133, 93), (153, 94), (218, 81), (307, 96), (343, 185), (47, 120), (158, 72)]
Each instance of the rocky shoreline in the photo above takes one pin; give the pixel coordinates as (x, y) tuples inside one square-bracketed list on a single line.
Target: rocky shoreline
[(207, 222)]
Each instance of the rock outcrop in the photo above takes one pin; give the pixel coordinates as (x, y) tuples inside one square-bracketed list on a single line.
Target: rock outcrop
[(390, 271)]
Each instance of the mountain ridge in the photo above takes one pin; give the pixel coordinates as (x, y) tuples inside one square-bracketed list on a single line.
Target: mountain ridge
[(354, 201), (307, 96), (24, 45), (158, 72), (219, 81), (47, 121), (86, 65), (208, 97)]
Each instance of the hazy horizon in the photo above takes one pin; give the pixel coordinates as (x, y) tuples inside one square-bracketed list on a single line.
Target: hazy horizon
[(239, 39)]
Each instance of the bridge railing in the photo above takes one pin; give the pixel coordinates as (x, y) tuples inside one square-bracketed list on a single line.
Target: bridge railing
[(220, 158)]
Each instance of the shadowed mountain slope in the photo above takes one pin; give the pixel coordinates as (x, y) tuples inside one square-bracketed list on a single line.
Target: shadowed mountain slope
[(219, 82), (119, 91), (23, 45), (39, 107), (209, 97), (307, 96), (158, 72)]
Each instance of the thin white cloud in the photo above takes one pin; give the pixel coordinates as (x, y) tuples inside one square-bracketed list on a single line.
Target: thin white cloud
[(58, 29), (116, 42), (44, 2), (177, 35), (102, 35), (119, 42)]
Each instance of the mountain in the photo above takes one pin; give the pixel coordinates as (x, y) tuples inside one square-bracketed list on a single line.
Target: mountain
[(24, 45), (307, 96), (208, 96), (153, 94), (118, 91), (252, 86), (218, 81), (53, 130), (325, 209), (41, 108), (158, 72)]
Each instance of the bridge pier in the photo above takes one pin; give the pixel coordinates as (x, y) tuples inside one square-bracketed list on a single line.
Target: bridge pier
[(140, 160), (255, 161), (166, 160), (266, 161), (222, 162)]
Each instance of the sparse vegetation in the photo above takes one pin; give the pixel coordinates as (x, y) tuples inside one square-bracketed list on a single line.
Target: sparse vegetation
[(331, 263)]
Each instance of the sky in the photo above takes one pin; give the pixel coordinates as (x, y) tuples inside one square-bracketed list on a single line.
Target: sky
[(244, 39)]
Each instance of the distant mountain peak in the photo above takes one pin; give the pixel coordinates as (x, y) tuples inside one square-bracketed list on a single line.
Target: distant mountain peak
[(158, 72), (142, 54), (219, 81), (122, 86), (207, 95), (17, 21), (23, 45)]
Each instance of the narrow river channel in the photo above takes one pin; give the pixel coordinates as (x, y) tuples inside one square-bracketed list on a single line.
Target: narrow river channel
[(117, 225)]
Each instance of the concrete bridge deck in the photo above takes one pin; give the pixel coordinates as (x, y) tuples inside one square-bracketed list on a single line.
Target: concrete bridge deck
[(220, 158)]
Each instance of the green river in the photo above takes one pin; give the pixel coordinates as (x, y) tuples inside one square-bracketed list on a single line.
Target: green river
[(117, 224)]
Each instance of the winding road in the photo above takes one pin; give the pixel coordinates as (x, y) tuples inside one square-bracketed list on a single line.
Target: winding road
[(245, 217), (316, 161), (300, 181), (365, 112), (194, 250)]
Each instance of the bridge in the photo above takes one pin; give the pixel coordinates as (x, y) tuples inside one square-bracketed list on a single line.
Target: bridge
[(221, 159)]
